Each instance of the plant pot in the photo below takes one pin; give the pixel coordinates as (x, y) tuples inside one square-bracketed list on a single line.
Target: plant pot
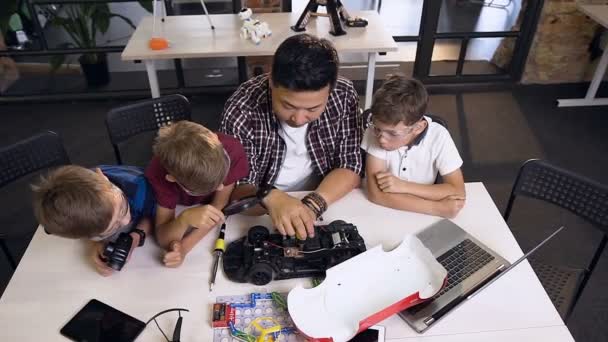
[(95, 69)]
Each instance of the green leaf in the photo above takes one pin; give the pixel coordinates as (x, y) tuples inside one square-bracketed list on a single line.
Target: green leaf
[(8, 8), (127, 20), (58, 60), (101, 18), (146, 4)]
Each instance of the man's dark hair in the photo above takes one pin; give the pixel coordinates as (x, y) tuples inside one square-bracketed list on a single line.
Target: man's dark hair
[(305, 63)]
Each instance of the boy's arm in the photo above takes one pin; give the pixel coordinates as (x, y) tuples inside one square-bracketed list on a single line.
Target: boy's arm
[(220, 200), (180, 246), (170, 228), (144, 224), (453, 184), (446, 207)]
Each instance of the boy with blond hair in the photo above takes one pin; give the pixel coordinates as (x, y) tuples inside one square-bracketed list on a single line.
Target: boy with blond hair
[(79, 203), (192, 165), (406, 151)]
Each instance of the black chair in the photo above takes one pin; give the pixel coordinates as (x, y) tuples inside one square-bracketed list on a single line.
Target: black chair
[(128, 121), (583, 197), (25, 157)]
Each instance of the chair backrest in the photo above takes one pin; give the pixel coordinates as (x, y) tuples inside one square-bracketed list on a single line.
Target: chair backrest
[(25, 157), (438, 120), (35, 153), (144, 116), (582, 196)]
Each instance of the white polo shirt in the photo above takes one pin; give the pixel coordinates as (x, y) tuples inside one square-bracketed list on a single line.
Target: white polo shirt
[(432, 152)]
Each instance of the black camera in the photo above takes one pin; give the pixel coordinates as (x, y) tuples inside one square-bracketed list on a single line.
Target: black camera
[(116, 252)]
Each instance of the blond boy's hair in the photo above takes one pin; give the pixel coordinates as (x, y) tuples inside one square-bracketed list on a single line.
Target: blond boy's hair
[(72, 202), (193, 155), (400, 99)]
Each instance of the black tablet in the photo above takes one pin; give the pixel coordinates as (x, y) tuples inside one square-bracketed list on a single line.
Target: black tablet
[(99, 322)]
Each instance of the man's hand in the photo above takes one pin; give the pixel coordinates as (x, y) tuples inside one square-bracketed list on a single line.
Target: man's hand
[(96, 255), (204, 217), (290, 215), (449, 206), (387, 182), (174, 257)]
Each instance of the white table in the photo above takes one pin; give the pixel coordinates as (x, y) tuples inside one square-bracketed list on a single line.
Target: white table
[(191, 37), (599, 13), (53, 281)]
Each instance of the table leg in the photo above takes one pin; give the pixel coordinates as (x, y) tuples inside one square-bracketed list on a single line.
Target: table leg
[(152, 78), (371, 71), (590, 99)]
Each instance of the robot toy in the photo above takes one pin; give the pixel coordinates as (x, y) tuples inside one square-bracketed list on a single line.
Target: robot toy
[(252, 28)]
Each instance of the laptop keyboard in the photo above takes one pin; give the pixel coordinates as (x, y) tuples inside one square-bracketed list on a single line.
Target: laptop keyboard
[(461, 261)]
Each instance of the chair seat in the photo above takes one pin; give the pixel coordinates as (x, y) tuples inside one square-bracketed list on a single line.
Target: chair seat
[(561, 284)]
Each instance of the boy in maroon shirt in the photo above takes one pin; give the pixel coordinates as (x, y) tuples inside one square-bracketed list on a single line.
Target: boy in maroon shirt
[(192, 165)]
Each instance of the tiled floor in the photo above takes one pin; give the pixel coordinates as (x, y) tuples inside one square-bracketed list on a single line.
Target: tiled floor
[(495, 132)]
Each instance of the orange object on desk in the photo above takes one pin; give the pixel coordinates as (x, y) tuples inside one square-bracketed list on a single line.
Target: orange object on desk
[(158, 43)]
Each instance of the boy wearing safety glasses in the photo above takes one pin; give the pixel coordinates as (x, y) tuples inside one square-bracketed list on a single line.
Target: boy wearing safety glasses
[(406, 151), (191, 166)]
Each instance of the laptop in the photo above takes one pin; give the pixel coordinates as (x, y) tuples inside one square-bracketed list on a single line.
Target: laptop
[(471, 267)]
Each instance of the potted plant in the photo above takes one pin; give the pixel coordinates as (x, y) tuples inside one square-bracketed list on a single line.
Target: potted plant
[(82, 22)]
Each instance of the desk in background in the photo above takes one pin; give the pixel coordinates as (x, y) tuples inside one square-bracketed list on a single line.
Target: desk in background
[(54, 280), (599, 13), (191, 37)]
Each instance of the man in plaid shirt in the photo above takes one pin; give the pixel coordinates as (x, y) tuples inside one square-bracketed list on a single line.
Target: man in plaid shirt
[(299, 125)]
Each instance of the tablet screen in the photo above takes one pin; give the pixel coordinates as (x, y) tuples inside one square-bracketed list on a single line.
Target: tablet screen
[(99, 322)]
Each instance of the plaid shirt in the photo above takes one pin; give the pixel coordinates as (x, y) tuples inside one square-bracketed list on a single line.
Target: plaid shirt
[(332, 140)]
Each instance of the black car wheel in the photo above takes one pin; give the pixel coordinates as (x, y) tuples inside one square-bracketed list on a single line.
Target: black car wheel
[(257, 234), (260, 274)]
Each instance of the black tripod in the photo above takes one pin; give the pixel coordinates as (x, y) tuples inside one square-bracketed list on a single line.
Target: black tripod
[(335, 11)]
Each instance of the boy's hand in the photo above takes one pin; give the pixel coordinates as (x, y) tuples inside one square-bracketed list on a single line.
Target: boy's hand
[(174, 257), (290, 216), (450, 206), (96, 254), (204, 217), (387, 182)]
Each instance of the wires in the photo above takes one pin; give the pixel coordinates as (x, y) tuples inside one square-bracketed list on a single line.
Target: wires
[(240, 335), (299, 252), (316, 281), (315, 251), (179, 311), (275, 245), (161, 330), (279, 300)]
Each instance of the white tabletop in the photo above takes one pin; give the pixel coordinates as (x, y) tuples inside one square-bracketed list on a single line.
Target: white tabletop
[(190, 36), (54, 280), (597, 12)]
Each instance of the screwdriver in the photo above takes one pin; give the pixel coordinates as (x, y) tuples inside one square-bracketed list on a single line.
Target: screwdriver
[(218, 252)]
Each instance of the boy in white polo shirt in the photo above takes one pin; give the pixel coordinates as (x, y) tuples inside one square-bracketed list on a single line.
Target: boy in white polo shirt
[(407, 150)]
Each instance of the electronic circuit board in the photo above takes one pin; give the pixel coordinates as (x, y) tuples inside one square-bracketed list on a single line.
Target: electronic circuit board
[(243, 311)]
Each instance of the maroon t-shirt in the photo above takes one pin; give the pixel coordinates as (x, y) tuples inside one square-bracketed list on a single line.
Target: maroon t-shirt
[(169, 194)]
